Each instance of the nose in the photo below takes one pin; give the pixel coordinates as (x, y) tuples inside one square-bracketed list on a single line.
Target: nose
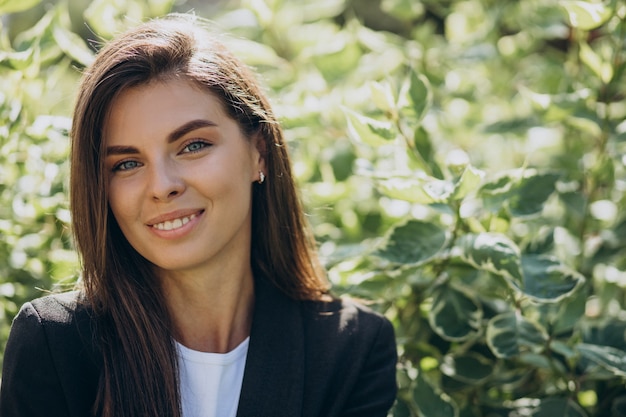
[(165, 182)]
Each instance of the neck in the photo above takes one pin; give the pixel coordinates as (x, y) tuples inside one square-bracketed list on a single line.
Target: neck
[(211, 313)]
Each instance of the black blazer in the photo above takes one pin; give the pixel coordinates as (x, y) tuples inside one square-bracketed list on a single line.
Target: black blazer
[(306, 359)]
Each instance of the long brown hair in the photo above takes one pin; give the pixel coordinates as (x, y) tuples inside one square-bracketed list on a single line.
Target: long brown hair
[(132, 323)]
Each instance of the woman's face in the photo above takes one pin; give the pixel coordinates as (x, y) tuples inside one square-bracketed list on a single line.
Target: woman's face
[(180, 174)]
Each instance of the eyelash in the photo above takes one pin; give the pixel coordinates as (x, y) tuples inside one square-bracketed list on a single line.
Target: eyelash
[(119, 165), (195, 142)]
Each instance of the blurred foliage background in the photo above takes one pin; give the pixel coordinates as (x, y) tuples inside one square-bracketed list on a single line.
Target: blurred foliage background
[(462, 163)]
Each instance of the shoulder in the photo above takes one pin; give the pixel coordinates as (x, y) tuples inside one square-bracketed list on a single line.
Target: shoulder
[(347, 329), (350, 352), (53, 309), (50, 352), (59, 315), (347, 316), (62, 320)]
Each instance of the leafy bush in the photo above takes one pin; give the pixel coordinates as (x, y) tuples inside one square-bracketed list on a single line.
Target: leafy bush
[(462, 163)]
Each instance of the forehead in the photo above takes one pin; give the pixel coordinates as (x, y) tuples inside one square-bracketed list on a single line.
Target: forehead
[(158, 107)]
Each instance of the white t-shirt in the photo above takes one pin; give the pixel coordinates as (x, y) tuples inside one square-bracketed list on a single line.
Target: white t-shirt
[(210, 383)]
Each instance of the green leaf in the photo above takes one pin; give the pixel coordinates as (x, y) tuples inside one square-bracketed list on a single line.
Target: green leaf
[(495, 193), (602, 69), (509, 334), (337, 57), (401, 409), (18, 60), (610, 332), (382, 96), (255, 53), (73, 45), (108, 17), (413, 242), (610, 358), (562, 349), (492, 252), (575, 203), (407, 10), (471, 368), (414, 276), (585, 15), (546, 279), (415, 98), (570, 311), (524, 192), (561, 407), (430, 403), (530, 194), (12, 6), (424, 147), (536, 360), (159, 7), (468, 182), (455, 315), (426, 190), (362, 129)]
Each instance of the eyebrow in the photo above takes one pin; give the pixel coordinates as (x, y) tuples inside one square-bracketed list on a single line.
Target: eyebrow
[(172, 137), (189, 127)]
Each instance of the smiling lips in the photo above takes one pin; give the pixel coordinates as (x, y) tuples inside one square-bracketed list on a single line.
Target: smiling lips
[(174, 224)]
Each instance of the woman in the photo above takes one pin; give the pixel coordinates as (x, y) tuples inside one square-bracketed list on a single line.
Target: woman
[(201, 293)]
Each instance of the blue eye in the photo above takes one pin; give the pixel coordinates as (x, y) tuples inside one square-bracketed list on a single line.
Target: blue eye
[(126, 165), (195, 146)]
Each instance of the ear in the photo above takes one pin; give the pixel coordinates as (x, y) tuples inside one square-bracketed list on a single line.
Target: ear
[(258, 154)]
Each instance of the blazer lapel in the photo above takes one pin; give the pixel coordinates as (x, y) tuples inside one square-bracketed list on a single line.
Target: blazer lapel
[(273, 379)]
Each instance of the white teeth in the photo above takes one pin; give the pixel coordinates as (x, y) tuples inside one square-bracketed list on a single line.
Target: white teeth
[(174, 224)]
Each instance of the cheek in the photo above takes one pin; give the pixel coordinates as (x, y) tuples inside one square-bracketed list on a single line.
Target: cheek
[(120, 203)]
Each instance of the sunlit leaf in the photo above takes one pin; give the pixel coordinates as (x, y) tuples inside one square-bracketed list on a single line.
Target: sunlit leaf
[(602, 69), (382, 96), (159, 7), (255, 53), (416, 190), (314, 11), (586, 15), (468, 182), (510, 334), (413, 242), (337, 57), (455, 315), (73, 45), (492, 252), (18, 60), (363, 129), (108, 17), (12, 6), (430, 403)]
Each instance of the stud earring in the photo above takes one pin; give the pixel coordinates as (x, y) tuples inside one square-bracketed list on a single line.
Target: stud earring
[(261, 177)]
